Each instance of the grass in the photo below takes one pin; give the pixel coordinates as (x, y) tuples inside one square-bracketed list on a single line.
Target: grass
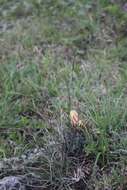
[(58, 56)]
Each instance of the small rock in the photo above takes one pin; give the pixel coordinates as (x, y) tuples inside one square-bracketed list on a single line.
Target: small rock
[(11, 183)]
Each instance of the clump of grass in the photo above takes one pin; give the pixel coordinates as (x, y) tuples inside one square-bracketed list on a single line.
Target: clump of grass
[(51, 62)]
